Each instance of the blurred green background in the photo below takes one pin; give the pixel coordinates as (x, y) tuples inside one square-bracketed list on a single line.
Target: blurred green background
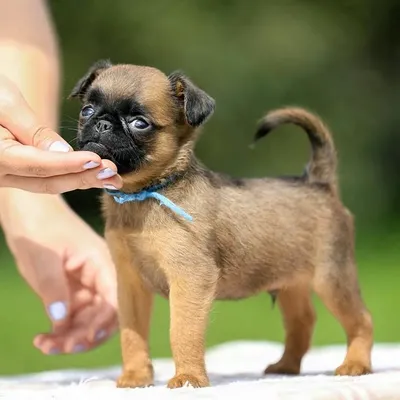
[(340, 59)]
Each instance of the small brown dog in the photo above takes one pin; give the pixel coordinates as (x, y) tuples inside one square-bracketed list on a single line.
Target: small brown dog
[(286, 236)]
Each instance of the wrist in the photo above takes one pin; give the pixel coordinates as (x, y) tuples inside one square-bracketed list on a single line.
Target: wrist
[(17, 206)]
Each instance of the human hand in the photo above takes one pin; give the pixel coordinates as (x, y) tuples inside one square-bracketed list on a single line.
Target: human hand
[(69, 267), (37, 159)]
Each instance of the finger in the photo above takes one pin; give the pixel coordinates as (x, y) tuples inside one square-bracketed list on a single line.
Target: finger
[(105, 286), (51, 285), (18, 117), (80, 299), (105, 317), (49, 343), (74, 339), (105, 280), (52, 344), (17, 159), (96, 178), (71, 340), (46, 276)]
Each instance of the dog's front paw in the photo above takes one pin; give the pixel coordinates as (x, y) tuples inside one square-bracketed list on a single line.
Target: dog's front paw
[(353, 369), (283, 368), (181, 380), (135, 379)]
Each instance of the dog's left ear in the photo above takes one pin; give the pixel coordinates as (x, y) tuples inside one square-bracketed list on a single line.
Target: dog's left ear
[(197, 105), (84, 83)]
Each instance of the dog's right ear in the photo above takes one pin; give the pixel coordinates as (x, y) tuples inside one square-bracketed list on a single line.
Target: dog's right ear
[(84, 83)]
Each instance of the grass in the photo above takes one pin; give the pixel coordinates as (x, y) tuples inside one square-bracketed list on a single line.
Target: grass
[(21, 315)]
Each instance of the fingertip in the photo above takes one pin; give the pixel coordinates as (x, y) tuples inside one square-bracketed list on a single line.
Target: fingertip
[(97, 336), (79, 348), (106, 173), (57, 311), (60, 147), (108, 164), (37, 340), (100, 335), (91, 165), (92, 156), (113, 183), (93, 160)]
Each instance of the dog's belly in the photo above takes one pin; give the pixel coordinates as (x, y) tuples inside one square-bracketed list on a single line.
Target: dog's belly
[(230, 287), (235, 284)]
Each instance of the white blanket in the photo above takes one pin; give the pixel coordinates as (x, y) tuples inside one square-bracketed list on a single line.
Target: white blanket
[(235, 372)]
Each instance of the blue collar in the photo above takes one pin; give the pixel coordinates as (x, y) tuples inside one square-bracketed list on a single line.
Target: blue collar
[(149, 192)]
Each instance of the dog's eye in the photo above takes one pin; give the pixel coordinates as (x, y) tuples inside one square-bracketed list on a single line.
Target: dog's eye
[(87, 111), (139, 124)]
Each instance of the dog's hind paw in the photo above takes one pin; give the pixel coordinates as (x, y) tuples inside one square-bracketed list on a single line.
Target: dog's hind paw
[(283, 368)]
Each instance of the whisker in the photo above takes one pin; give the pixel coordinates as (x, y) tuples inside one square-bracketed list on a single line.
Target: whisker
[(72, 119), (68, 128)]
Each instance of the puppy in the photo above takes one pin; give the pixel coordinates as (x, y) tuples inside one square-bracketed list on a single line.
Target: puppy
[(213, 236)]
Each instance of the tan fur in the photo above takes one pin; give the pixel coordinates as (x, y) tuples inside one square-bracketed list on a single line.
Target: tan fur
[(257, 235)]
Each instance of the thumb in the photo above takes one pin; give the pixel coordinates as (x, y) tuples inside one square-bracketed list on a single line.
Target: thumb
[(46, 276), (18, 117), (56, 299)]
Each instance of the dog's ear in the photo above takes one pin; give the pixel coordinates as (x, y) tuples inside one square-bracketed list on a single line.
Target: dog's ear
[(84, 83), (196, 104)]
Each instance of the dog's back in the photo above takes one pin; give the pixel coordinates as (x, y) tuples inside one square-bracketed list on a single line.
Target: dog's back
[(272, 232)]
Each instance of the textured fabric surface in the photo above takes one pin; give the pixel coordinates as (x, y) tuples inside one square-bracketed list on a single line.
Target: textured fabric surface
[(235, 372)]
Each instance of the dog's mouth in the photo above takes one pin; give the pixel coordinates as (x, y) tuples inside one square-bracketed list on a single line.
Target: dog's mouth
[(126, 159), (93, 146), (97, 148)]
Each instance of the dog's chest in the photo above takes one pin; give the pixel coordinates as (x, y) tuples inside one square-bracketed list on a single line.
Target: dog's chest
[(147, 256)]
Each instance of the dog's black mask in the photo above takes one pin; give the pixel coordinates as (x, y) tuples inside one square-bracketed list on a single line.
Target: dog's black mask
[(119, 130)]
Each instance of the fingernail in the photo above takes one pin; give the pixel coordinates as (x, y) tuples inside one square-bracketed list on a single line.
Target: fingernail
[(106, 173), (78, 348), (110, 187), (101, 334), (53, 352), (59, 146), (57, 311), (91, 164)]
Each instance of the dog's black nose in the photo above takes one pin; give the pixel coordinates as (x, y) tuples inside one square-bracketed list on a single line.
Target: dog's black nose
[(103, 126)]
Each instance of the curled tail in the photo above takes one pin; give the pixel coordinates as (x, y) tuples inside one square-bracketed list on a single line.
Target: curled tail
[(322, 166)]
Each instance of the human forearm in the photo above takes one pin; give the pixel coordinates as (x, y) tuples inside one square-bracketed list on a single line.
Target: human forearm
[(29, 57)]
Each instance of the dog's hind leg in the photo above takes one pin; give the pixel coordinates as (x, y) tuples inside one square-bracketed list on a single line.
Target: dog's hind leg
[(299, 320), (340, 292)]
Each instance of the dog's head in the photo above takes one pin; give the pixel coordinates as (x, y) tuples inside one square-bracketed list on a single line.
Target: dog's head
[(138, 117)]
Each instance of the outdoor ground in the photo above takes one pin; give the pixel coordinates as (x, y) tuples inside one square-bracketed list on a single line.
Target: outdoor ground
[(21, 315)]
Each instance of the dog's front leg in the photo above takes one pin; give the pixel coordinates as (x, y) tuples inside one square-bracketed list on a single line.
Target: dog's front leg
[(135, 303), (190, 303), (134, 309)]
